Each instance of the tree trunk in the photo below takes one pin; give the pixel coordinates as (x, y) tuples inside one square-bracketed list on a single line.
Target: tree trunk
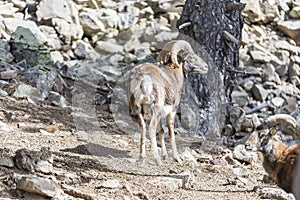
[(213, 27)]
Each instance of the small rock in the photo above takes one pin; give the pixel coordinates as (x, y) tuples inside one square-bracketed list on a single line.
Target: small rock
[(240, 153), (295, 12), (240, 97), (5, 158), (275, 193), (44, 167), (108, 47), (8, 10), (240, 171), (23, 91), (166, 183), (220, 162), (38, 185), (8, 74), (259, 92), (5, 54), (57, 99), (187, 156), (278, 101), (111, 184), (260, 56), (291, 28), (3, 93)]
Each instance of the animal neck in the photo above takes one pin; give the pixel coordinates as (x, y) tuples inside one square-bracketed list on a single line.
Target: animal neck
[(175, 73)]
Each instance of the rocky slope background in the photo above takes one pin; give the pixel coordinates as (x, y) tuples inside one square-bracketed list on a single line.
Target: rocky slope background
[(45, 40), (52, 50)]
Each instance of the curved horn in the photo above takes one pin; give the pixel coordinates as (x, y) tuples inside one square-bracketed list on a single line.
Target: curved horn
[(280, 118), (171, 49)]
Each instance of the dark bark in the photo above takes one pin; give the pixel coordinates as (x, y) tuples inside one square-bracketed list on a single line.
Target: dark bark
[(214, 28)]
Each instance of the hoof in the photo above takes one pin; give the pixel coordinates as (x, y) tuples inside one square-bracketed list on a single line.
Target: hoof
[(177, 159)]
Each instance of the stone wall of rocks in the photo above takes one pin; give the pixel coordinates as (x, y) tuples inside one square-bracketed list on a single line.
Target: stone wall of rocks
[(269, 81), (41, 38)]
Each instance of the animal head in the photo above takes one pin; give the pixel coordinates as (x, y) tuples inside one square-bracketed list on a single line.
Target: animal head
[(261, 140), (181, 55), (265, 134)]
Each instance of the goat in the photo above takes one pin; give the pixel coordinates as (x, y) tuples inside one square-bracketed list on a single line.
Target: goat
[(279, 159), (154, 92), (296, 182)]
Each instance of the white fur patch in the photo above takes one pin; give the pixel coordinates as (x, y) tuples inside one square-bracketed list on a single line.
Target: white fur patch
[(167, 109)]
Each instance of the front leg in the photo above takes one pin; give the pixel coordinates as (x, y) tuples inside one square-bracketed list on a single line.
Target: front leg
[(170, 124)]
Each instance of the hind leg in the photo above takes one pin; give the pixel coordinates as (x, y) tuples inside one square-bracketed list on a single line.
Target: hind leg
[(143, 136), (156, 115), (161, 135)]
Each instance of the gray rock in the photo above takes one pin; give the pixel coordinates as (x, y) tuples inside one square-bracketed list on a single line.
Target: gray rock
[(57, 99), (11, 25), (62, 9), (8, 74), (56, 56), (108, 47), (84, 50), (6, 159), (19, 4), (282, 70), (295, 59), (260, 56), (259, 92), (245, 58), (241, 154), (111, 184), (91, 23), (44, 166), (142, 51), (38, 185), (25, 46), (128, 16), (166, 183), (3, 93), (275, 193), (278, 101), (241, 171), (269, 72), (282, 44), (7, 162), (248, 84), (27, 91), (8, 10), (294, 73), (253, 11), (52, 40), (291, 28), (240, 97), (295, 12), (5, 54), (70, 31), (132, 44)]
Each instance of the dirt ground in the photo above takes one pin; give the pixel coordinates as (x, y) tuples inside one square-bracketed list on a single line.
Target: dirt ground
[(88, 158)]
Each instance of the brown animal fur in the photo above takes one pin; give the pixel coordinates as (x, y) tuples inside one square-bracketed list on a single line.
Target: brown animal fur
[(279, 160), (154, 92)]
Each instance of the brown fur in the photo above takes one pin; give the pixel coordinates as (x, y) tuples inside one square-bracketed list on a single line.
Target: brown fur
[(279, 160), (154, 93)]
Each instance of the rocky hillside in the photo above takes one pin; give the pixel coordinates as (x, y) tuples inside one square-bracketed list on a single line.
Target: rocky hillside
[(59, 52), (66, 35)]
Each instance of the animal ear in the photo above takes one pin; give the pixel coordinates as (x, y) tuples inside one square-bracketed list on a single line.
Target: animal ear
[(273, 131)]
